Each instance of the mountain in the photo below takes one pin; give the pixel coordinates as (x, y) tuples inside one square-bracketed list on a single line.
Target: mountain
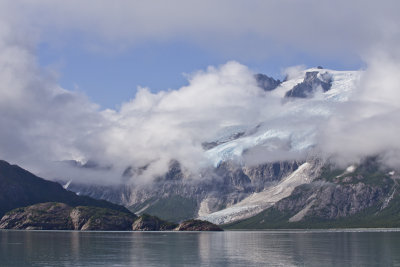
[(259, 201), (232, 189), (313, 81), (32, 203), (267, 83), (20, 188), (177, 196), (307, 192), (244, 186)]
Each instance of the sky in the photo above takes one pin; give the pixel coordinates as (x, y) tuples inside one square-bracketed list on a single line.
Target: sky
[(107, 52), (110, 80), (133, 83)]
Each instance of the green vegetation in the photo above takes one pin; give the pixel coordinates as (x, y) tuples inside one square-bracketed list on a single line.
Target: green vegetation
[(173, 208), (148, 222), (198, 225), (369, 172)]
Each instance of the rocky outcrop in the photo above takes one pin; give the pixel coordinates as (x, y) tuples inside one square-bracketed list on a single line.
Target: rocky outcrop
[(312, 81), (93, 218), (59, 216), (152, 223), (44, 216), (266, 83), (197, 225)]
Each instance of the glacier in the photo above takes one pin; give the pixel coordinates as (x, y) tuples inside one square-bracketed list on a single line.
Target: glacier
[(318, 108), (300, 138)]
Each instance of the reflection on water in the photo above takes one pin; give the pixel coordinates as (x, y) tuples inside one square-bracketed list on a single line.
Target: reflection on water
[(267, 248)]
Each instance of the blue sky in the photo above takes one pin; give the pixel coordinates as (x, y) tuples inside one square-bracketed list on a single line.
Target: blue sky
[(107, 51), (111, 79)]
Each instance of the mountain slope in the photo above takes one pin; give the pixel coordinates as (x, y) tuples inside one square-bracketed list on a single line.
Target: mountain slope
[(363, 196), (177, 197), (20, 188), (258, 202)]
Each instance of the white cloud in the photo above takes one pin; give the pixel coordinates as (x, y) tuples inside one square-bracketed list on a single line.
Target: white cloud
[(41, 123), (236, 28), (174, 124), (369, 123)]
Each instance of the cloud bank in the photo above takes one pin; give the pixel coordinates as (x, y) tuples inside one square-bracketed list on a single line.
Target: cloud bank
[(236, 28), (42, 124), (369, 123)]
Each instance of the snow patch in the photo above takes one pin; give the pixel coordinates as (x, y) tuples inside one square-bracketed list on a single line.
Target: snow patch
[(350, 169), (67, 184)]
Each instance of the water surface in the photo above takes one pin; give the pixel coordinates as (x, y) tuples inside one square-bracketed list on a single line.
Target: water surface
[(230, 248)]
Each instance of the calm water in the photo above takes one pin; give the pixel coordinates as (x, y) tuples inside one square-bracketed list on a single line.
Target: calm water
[(268, 248)]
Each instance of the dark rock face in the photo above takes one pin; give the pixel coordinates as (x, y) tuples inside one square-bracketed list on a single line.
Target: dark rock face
[(266, 83), (198, 225), (59, 216), (265, 174), (152, 223), (311, 82)]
